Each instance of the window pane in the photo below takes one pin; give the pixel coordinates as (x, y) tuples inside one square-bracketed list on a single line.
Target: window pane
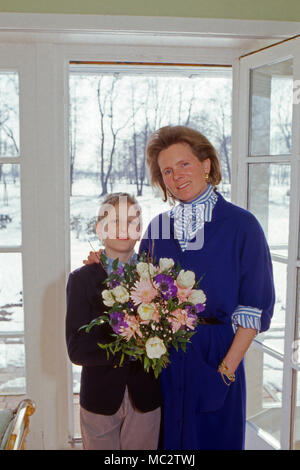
[(10, 205), (264, 392), (9, 114), (11, 287), (268, 200), (12, 366), (271, 107)]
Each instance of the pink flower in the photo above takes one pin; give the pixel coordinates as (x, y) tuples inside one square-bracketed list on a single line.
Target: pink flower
[(183, 293), (133, 328), (155, 318), (143, 292), (180, 318)]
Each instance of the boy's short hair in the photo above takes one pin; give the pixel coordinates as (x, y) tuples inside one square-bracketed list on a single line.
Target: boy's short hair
[(113, 199)]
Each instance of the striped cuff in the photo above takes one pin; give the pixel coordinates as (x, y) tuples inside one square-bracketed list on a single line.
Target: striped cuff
[(247, 317)]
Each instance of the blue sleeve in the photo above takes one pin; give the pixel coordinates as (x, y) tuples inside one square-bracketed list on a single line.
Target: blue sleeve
[(256, 291)]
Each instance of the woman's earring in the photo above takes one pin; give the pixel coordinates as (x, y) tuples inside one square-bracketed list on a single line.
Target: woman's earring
[(206, 177)]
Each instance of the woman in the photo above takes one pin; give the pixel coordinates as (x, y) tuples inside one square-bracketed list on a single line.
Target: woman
[(204, 391)]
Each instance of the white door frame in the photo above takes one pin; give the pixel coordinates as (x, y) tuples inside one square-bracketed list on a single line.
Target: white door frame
[(288, 49)]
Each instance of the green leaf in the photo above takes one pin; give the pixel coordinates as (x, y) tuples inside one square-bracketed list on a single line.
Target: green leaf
[(103, 258), (115, 264), (198, 282), (122, 359), (146, 363)]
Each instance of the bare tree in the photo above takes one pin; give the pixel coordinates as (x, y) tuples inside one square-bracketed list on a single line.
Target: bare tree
[(184, 105), (139, 136), (109, 125), (223, 138), (9, 113), (73, 130), (284, 125)]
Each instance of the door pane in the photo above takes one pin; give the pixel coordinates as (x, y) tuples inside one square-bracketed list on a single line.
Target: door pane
[(11, 287), (269, 200), (10, 205), (271, 106), (274, 336), (264, 392), (9, 114)]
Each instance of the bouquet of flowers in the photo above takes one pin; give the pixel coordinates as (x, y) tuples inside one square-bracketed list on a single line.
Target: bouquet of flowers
[(150, 308)]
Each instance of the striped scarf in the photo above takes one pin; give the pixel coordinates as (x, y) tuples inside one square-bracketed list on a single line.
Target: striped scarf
[(189, 217)]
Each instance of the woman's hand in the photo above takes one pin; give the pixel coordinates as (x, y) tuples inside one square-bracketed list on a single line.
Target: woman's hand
[(94, 257)]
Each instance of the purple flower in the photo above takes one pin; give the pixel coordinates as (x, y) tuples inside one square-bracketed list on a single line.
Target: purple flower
[(117, 282), (114, 283), (131, 305), (194, 310), (120, 271), (117, 321), (166, 286)]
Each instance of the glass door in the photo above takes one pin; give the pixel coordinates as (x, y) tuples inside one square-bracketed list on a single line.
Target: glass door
[(119, 106), (268, 185)]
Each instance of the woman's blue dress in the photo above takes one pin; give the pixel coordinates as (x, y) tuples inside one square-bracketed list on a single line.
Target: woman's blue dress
[(200, 410)]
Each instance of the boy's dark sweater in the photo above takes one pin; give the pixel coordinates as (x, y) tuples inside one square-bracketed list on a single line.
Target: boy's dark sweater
[(103, 382)]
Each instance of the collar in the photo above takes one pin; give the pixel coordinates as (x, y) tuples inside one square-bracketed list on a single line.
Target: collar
[(203, 198), (189, 217), (209, 196), (132, 260)]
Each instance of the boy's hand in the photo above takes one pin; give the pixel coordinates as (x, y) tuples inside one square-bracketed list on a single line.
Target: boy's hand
[(94, 257)]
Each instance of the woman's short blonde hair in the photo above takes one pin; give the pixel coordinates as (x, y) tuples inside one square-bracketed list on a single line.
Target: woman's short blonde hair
[(169, 135)]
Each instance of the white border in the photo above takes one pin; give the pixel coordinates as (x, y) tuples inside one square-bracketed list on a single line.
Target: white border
[(43, 63)]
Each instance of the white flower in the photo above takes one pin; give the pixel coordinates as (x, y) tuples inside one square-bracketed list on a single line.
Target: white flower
[(121, 294), (155, 348), (186, 279), (197, 297), (108, 299), (166, 263), (146, 311), (144, 269)]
